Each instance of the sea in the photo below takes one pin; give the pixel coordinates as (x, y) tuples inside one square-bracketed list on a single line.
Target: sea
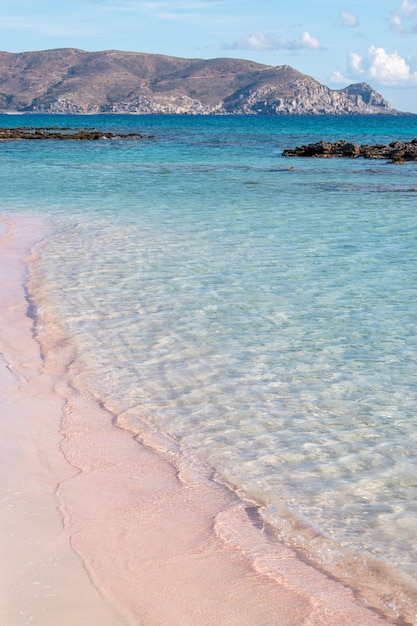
[(258, 310)]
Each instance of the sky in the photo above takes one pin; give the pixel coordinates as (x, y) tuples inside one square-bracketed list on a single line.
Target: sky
[(337, 42)]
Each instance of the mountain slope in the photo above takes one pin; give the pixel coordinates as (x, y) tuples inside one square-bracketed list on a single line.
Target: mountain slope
[(74, 81)]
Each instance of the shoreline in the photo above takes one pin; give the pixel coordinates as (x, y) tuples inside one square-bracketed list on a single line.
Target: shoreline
[(42, 580), (118, 529)]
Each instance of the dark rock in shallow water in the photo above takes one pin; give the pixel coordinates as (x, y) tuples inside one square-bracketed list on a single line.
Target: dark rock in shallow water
[(325, 149), (396, 151), (54, 132)]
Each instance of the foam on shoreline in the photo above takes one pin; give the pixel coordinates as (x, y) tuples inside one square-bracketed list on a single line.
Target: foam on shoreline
[(106, 526)]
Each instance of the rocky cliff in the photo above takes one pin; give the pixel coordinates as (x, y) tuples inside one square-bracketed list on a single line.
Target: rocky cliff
[(75, 81)]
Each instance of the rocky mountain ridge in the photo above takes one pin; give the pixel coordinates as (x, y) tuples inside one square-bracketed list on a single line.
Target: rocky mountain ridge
[(74, 81)]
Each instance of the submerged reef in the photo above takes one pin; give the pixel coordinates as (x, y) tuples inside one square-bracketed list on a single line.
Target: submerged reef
[(395, 152)]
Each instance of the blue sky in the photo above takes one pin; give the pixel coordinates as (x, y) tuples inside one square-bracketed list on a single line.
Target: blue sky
[(337, 42)]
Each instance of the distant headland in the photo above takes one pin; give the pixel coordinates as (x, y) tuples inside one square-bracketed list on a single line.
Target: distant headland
[(72, 81)]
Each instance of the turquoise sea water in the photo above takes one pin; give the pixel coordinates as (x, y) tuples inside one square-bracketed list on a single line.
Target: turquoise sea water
[(263, 317)]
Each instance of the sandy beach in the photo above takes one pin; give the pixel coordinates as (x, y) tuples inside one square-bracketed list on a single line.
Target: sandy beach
[(102, 526)]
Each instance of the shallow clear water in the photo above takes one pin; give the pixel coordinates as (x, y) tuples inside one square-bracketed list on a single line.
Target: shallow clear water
[(263, 316)]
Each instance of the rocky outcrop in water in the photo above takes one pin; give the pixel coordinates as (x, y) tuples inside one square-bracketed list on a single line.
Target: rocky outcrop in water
[(73, 81), (54, 132), (395, 152)]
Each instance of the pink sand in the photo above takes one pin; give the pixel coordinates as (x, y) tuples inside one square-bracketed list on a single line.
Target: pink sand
[(101, 529)]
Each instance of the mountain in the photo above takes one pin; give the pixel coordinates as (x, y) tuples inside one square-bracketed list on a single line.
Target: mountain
[(68, 80)]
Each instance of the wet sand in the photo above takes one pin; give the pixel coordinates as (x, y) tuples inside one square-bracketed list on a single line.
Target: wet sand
[(103, 526)]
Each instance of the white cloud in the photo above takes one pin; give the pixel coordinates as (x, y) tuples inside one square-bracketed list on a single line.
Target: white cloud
[(348, 19), (403, 20), (409, 9), (397, 25), (307, 41), (378, 67), (257, 41), (355, 63), (265, 41), (337, 78), (388, 69)]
